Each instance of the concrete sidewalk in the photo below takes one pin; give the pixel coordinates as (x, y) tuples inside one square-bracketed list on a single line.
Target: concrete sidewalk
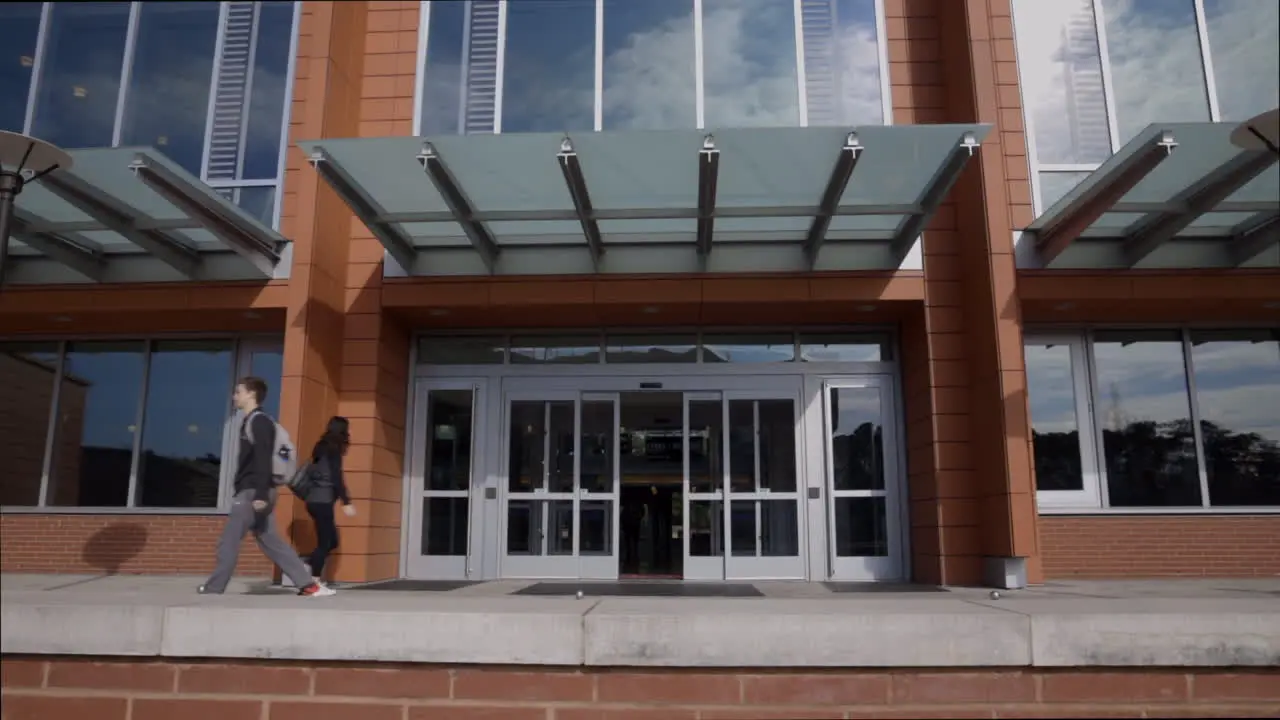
[(1191, 623)]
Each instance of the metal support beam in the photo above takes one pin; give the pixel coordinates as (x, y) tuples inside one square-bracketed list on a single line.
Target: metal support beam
[(393, 240), (89, 264), (934, 193), (1203, 197), (460, 205), (571, 168), (708, 175), (836, 184), (1250, 244), (259, 249), (92, 202), (1101, 197)]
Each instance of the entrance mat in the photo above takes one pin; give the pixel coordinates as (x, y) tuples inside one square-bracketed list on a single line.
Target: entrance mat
[(415, 585), (641, 589), (875, 587)]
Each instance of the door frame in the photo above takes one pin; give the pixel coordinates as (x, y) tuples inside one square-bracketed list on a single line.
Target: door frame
[(762, 567), (450, 567), (894, 565)]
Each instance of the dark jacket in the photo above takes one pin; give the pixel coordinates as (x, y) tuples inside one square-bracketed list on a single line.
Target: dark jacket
[(329, 484), (253, 467)]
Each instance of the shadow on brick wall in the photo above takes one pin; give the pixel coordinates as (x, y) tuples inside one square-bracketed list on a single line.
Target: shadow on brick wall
[(115, 546)]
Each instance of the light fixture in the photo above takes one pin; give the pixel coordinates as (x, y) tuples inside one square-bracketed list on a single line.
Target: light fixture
[(251, 315), (649, 310), (866, 308), (79, 91), (437, 312), (62, 318), (162, 141), (1271, 305), (23, 160), (27, 61), (1060, 307)]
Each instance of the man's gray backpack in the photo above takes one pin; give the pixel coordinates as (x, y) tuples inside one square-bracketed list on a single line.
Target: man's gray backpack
[(284, 456)]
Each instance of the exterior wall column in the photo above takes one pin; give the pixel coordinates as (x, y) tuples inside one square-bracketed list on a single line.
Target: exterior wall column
[(326, 91), (982, 87)]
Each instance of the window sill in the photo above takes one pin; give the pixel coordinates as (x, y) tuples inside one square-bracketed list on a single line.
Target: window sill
[(1266, 510), (15, 510)]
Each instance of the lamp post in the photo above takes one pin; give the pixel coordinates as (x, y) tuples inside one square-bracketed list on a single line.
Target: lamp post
[(20, 154), (1260, 132)]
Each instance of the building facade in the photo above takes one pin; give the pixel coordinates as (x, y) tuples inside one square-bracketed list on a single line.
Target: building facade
[(867, 290)]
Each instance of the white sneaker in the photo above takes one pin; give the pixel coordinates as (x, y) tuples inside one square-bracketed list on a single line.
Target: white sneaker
[(317, 590)]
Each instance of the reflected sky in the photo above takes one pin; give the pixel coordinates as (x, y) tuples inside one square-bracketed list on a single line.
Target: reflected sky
[(167, 100), (1155, 66), (19, 23), (648, 70)]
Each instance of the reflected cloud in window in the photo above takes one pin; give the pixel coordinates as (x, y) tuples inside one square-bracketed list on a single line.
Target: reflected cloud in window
[(1144, 408), (80, 84), (168, 100), (1055, 429), (649, 70), (1244, 42), (19, 24), (1157, 73), (549, 66), (749, 63), (1062, 86), (1237, 378)]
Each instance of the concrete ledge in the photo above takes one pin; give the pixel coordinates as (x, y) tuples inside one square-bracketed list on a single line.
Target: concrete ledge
[(943, 630)]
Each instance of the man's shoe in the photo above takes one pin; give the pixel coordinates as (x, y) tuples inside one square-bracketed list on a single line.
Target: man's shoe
[(316, 590), (204, 590)]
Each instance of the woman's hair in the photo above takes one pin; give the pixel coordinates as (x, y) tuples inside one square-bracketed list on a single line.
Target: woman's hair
[(335, 438)]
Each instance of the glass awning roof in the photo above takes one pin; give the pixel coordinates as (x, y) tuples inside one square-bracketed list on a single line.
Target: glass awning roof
[(734, 200), (132, 215), (1179, 195)]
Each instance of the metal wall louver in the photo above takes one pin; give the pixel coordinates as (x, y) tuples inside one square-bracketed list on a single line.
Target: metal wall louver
[(233, 87)]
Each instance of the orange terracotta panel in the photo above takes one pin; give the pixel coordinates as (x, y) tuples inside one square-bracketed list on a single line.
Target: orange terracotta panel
[(542, 292), (755, 289), (419, 292), (954, 456), (943, 292)]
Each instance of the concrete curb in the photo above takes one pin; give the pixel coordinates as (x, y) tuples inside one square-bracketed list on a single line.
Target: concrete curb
[(621, 632)]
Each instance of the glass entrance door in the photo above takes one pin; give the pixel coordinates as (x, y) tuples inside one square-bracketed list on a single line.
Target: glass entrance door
[(763, 486), (560, 500), (862, 480), (443, 473)]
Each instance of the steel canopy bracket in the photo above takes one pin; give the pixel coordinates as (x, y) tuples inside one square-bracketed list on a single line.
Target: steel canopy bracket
[(571, 168), (460, 206), (841, 173), (708, 176), (393, 240)]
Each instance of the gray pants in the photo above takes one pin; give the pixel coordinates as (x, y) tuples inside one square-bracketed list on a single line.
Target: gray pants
[(243, 520)]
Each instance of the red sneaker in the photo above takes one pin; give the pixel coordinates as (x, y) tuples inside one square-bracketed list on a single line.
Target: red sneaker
[(316, 590)]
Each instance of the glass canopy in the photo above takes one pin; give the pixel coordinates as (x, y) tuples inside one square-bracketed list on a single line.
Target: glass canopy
[(132, 215), (733, 200), (1179, 195)]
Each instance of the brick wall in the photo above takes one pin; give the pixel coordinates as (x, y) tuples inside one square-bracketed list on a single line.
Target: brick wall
[(95, 544), (113, 690), (1160, 546)]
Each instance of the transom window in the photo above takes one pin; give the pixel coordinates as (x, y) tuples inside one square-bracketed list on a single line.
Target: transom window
[(614, 347), (575, 65), (207, 84), (1156, 419), (1095, 72)]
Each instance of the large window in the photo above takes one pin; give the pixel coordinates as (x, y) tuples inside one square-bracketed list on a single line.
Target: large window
[(579, 65), (207, 84), (124, 423), (1156, 419), (1095, 72)]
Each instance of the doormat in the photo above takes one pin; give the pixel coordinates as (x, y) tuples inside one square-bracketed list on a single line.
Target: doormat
[(415, 585), (641, 589), (875, 587)]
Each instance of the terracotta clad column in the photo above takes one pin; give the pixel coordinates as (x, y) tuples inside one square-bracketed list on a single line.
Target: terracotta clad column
[(986, 333), (375, 356), (326, 93)]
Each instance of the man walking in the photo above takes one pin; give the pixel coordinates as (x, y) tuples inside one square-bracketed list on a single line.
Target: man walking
[(255, 494)]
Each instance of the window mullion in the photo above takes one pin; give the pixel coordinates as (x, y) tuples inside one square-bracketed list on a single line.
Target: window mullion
[(699, 81), (51, 431), (1104, 61), (37, 65), (126, 73), (1095, 421), (599, 68), (1188, 366), (139, 424), (1206, 58)]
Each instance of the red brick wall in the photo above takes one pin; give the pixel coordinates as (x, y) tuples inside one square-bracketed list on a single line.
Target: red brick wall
[(158, 544), (1161, 546), (112, 690)]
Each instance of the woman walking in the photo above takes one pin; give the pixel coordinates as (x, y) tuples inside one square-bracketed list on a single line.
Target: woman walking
[(325, 488)]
